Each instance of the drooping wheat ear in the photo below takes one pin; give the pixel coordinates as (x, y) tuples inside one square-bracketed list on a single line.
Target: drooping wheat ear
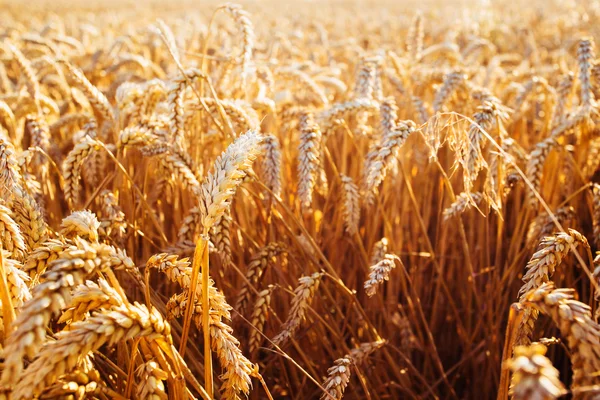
[(338, 376), (452, 83), (83, 224), (10, 177), (543, 225), (72, 168), (463, 202), (127, 321), (30, 218), (151, 382), (241, 17), (270, 166), (315, 93), (89, 297), (112, 218), (242, 119), (337, 112), (380, 272), (585, 57), (388, 151), (16, 280), (303, 297), (540, 268), (220, 236), (309, 153), (37, 261), (238, 368), (533, 375), (48, 297), (337, 380), (255, 270), (408, 340), (350, 204), (574, 320), (414, 41), (175, 161), (179, 270), (31, 81), (364, 86), (176, 102), (535, 167), (259, 317), (96, 98), (228, 171), (563, 94), (168, 34), (380, 249), (37, 128), (10, 235), (65, 121)]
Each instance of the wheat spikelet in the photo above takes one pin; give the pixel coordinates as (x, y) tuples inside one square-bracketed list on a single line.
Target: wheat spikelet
[(16, 280), (151, 386), (256, 268), (109, 327), (350, 204), (540, 268), (220, 236), (238, 368), (338, 376), (270, 165), (331, 117), (534, 376), (451, 84), (414, 41), (96, 98), (463, 202), (535, 167), (9, 170), (70, 269), (241, 17), (10, 234), (89, 297), (380, 272), (573, 318), (30, 218), (72, 167), (37, 261), (82, 224), (303, 297), (388, 151), (258, 318), (585, 56), (229, 169), (309, 152), (380, 249), (112, 218)]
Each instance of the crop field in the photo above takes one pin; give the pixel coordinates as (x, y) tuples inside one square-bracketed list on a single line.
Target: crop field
[(299, 200)]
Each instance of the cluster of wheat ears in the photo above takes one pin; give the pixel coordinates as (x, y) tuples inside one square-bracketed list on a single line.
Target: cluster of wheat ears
[(268, 203)]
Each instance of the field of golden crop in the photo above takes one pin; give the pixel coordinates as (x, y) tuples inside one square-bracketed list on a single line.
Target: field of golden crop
[(299, 200)]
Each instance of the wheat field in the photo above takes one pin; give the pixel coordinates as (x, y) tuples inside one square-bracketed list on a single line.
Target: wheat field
[(299, 200)]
